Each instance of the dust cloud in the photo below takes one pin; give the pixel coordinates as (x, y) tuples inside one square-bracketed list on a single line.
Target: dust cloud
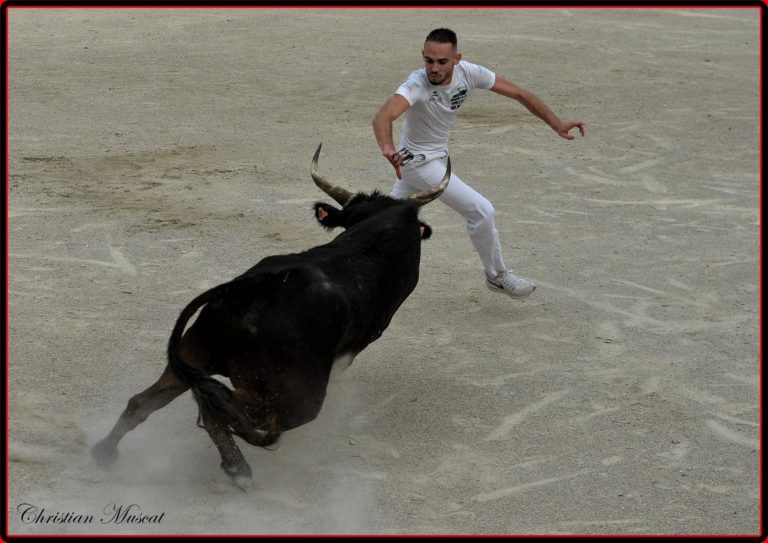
[(308, 485)]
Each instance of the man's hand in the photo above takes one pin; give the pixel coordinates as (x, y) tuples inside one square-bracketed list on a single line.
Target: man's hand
[(563, 127), (395, 158)]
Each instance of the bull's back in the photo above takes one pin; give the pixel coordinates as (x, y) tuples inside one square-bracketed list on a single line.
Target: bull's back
[(274, 318)]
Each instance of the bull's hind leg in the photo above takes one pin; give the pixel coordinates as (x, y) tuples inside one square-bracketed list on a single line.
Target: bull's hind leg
[(232, 461), (221, 430), (163, 392)]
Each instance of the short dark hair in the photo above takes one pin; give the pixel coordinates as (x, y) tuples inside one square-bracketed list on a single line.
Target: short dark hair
[(442, 35)]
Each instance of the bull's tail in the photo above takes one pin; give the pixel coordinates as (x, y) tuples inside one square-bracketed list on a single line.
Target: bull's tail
[(212, 396)]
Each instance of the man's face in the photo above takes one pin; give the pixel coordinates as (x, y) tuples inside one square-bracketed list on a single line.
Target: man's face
[(439, 59)]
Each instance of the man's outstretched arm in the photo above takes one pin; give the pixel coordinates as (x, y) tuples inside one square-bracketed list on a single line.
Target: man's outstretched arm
[(506, 88), (382, 128)]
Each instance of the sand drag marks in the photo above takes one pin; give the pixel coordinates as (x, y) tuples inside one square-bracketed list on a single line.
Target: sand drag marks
[(644, 332), (496, 494), (509, 422), (118, 260), (626, 366), (750, 442), (659, 311), (700, 317)]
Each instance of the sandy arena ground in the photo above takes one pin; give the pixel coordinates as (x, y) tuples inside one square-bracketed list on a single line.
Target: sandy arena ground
[(155, 153)]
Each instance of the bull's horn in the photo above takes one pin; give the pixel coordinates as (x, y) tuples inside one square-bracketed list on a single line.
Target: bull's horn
[(337, 193), (423, 198)]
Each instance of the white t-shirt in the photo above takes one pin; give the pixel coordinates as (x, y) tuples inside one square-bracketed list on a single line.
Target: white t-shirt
[(428, 121)]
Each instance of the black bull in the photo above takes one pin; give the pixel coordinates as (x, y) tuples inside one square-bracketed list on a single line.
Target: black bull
[(277, 330)]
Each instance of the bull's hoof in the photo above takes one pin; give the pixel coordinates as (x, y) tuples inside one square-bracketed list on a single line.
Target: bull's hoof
[(240, 475), (243, 483), (104, 453), (274, 443)]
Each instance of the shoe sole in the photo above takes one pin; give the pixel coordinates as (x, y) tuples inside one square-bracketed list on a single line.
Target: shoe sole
[(493, 288)]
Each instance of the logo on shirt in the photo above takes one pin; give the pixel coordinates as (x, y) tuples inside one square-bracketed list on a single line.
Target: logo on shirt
[(435, 96), (458, 98)]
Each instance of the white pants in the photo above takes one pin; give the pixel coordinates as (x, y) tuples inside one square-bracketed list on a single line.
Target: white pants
[(419, 176)]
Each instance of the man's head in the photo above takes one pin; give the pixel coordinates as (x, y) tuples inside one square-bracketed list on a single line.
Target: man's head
[(440, 55)]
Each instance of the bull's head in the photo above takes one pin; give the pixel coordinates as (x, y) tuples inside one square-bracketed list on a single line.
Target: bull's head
[(356, 207)]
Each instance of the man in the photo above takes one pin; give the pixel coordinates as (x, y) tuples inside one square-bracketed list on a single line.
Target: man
[(431, 99)]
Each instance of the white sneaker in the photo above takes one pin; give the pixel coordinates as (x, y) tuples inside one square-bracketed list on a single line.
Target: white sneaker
[(511, 285)]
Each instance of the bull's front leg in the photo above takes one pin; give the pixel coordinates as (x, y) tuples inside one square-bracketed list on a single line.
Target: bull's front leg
[(264, 428), (160, 394)]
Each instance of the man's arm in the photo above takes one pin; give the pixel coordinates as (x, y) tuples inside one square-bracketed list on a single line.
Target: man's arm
[(537, 107), (382, 128)]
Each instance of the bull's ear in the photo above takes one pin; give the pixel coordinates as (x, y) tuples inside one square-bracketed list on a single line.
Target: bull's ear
[(327, 215)]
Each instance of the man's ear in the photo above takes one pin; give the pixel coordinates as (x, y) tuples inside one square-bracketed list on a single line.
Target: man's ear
[(327, 215), (456, 58)]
